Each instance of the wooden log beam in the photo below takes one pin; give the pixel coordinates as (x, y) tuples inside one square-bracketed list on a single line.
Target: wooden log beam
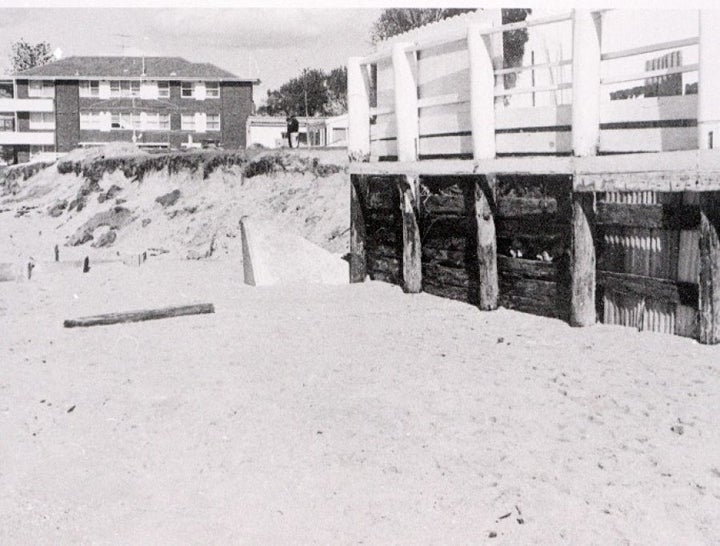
[(650, 216), (358, 258), (582, 262), (137, 316), (412, 254), (677, 293), (486, 242), (709, 273)]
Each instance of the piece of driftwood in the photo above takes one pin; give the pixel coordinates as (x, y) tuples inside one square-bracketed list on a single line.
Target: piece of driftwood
[(137, 316)]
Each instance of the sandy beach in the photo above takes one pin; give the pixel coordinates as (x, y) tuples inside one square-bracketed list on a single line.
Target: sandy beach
[(346, 415)]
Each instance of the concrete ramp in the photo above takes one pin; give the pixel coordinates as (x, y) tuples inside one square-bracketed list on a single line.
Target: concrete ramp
[(272, 256)]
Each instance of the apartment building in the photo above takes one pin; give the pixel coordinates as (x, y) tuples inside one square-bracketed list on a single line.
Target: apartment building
[(156, 102)]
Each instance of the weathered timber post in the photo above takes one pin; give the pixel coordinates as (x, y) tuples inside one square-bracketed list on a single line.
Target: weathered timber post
[(482, 94), (358, 258), (358, 108), (582, 261), (708, 113), (487, 297), (709, 270), (406, 103), (412, 252), (587, 31), (57, 253), (86, 264)]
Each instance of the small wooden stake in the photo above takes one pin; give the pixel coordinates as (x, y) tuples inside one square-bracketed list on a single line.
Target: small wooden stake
[(86, 264), (582, 262), (487, 297), (412, 254), (30, 267), (57, 253), (709, 271), (358, 259)]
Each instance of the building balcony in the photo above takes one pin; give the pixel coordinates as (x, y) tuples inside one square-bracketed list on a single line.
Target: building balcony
[(39, 138), (27, 105)]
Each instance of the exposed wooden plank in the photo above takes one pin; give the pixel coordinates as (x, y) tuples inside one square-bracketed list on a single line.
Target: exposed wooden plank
[(137, 316), (486, 243), (656, 216), (444, 275), (412, 256), (510, 207), (582, 262), (358, 265), (543, 308), (661, 289), (448, 258), (446, 291), (709, 274), (528, 269)]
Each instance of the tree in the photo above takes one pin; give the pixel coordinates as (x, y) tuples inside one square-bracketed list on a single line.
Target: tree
[(25, 55), (312, 93), (395, 21)]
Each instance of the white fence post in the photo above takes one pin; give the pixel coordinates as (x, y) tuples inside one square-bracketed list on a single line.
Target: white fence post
[(406, 102), (708, 114), (587, 31), (358, 108), (482, 94)]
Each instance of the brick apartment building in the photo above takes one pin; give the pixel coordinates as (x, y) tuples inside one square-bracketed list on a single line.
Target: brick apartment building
[(156, 102)]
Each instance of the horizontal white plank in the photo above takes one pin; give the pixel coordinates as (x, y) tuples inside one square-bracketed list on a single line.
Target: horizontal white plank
[(649, 74), (450, 145), (666, 139), (40, 138), (649, 109), (512, 118), (648, 49), (533, 143), (447, 118), (383, 148)]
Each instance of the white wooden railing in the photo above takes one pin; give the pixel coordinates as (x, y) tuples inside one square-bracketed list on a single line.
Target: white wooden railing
[(442, 97)]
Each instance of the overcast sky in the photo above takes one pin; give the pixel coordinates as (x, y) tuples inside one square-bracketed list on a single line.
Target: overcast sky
[(272, 44)]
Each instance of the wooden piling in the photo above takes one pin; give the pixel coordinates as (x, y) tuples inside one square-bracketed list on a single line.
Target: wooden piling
[(709, 271), (582, 262), (486, 240), (57, 253), (86, 264), (412, 252), (358, 257)]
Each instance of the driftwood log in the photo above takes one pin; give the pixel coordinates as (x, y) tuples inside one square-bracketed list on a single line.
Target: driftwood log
[(137, 316)]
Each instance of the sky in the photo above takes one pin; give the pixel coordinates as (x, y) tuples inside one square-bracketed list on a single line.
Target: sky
[(273, 45)]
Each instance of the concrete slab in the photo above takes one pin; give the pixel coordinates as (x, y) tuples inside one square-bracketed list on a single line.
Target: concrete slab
[(275, 257)]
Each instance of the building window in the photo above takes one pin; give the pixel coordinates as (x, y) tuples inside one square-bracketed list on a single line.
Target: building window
[(124, 88), (187, 122), (151, 122), (125, 120), (89, 88), (164, 122), (90, 121), (39, 88), (42, 120), (163, 90), (213, 122), (187, 90), (7, 122), (212, 90)]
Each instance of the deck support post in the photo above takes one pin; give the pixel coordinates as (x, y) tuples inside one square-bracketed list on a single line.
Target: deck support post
[(486, 241), (358, 108), (412, 252), (358, 257), (482, 94), (406, 103), (587, 31), (582, 261), (708, 109), (709, 270)]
